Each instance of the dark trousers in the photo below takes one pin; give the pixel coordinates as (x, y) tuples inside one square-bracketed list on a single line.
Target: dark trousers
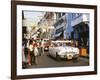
[(40, 51), (32, 57)]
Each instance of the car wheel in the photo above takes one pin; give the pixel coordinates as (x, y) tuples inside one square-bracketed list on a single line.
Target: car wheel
[(48, 54), (57, 57), (75, 59)]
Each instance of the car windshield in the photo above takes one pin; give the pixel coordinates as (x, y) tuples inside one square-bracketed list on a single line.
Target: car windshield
[(60, 43)]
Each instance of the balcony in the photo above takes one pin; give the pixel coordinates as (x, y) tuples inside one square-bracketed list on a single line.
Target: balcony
[(82, 18)]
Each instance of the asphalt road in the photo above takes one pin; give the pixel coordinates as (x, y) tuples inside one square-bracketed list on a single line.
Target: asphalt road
[(45, 61)]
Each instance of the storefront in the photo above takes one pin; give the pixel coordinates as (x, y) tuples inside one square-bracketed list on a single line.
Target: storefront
[(81, 35)]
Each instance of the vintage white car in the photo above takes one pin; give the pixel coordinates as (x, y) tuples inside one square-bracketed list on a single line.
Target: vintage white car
[(61, 50)]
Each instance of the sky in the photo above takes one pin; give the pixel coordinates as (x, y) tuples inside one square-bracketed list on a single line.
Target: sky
[(33, 16)]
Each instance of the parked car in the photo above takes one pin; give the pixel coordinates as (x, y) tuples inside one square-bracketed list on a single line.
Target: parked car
[(60, 50), (46, 44)]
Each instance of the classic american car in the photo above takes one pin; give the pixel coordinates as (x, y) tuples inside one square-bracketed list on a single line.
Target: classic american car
[(60, 49)]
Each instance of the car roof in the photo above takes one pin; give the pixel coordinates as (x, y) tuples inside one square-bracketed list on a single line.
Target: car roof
[(67, 41)]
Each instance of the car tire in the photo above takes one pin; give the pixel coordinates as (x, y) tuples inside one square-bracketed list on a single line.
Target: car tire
[(48, 54), (57, 57), (75, 59)]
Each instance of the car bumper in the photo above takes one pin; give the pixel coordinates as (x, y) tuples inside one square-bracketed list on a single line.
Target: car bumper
[(66, 56)]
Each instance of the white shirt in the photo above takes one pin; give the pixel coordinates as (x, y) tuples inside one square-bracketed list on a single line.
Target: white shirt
[(31, 47), (42, 44)]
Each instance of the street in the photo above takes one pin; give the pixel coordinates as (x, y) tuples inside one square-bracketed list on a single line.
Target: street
[(45, 61), (55, 31)]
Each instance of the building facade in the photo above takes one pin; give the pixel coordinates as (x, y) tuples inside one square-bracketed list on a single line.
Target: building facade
[(80, 25), (46, 24), (60, 26), (67, 26)]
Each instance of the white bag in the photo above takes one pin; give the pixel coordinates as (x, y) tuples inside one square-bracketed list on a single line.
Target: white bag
[(36, 53)]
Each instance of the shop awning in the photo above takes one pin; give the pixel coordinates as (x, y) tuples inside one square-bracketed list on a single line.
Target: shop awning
[(57, 35)]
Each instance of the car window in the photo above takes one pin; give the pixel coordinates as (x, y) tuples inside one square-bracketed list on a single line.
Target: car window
[(61, 43)]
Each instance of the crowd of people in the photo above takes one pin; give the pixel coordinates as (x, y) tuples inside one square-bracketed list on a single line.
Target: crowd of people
[(31, 50)]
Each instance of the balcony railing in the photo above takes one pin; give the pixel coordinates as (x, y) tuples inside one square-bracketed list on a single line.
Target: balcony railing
[(82, 18)]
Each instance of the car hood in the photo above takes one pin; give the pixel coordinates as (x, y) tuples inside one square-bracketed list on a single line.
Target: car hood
[(68, 49)]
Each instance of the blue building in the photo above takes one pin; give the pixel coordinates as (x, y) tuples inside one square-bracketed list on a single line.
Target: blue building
[(80, 25), (73, 26)]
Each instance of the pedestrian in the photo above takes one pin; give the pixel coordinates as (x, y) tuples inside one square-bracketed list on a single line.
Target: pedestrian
[(26, 51), (39, 48), (31, 51), (42, 45), (36, 52), (23, 57), (28, 56)]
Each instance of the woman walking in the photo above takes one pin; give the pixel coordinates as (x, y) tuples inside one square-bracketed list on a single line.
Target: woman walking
[(36, 52)]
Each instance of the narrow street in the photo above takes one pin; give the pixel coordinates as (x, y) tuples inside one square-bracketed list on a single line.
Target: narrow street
[(60, 33), (45, 61)]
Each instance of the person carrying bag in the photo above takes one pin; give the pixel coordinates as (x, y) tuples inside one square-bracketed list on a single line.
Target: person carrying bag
[(36, 52)]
